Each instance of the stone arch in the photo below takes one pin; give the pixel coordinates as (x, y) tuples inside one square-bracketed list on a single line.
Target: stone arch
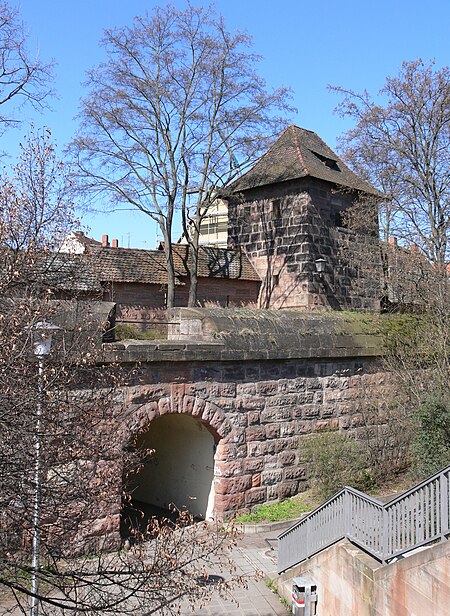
[(175, 401), (180, 471)]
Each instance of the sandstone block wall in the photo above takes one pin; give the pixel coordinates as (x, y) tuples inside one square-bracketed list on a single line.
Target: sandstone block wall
[(258, 412), (259, 381), (284, 228)]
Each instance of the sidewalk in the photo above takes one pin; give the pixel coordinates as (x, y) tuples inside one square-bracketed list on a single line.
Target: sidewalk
[(255, 561)]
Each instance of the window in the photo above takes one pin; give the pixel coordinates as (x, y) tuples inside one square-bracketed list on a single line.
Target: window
[(339, 219), (328, 162), (276, 209), (213, 227)]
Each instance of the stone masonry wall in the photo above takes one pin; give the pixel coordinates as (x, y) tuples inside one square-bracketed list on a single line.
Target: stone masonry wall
[(259, 381), (258, 412), (286, 227)]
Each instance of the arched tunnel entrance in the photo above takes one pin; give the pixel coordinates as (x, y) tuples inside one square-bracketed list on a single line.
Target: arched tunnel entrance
[(180, 471)]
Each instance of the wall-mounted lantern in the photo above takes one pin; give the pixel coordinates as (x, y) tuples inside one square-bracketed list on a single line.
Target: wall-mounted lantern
[(320, 265)]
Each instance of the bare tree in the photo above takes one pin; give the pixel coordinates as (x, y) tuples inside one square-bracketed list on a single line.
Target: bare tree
[(23, 78), (402, 145), (175, 113), (36, 197), (63, 429)]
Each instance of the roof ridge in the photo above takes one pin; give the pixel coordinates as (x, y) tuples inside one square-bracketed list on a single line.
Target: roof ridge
[(260, 158), (294, 129)]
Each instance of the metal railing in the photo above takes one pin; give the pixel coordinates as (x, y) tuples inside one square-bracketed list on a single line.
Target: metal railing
[(385, 530)]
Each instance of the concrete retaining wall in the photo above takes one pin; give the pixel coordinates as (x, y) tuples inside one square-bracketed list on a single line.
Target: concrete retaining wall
[(351, 582)]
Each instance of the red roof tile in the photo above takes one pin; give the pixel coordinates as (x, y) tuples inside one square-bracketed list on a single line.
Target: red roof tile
[(149, 266)]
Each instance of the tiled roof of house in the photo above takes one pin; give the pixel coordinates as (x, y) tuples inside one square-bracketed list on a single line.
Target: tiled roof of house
[(58, 271), (86, 272), (299, 153), (67, 272), (129, 265), (215, 262), (149, 266)]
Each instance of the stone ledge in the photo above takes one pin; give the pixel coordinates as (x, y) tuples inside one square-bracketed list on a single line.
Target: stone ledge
[(280, 334), (266, 527), (130, 351), (244, 335)]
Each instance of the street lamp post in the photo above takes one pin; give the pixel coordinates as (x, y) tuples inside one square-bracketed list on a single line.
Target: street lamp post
[(42, 342)]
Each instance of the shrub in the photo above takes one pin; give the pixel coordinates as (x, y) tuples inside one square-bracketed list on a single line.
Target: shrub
[(335, 460), (386, 432), (431, 444)]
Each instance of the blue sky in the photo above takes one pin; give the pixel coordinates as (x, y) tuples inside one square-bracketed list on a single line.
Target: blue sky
[(305, 45)]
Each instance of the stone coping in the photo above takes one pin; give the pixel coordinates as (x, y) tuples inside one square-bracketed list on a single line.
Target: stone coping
[(266, 527), (202, 334), (130, 351)]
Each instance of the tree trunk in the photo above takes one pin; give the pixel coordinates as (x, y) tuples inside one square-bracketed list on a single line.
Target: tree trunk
[(170, 295), (193, 269)]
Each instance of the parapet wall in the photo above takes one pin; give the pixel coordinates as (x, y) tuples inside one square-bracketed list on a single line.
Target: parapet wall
[(223, 334), (277, 334)]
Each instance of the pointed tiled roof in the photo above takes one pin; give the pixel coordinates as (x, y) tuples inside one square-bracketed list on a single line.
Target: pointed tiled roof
[(299, 153)]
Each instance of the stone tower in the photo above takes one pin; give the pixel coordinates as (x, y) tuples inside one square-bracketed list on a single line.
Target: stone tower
[(287, 214)]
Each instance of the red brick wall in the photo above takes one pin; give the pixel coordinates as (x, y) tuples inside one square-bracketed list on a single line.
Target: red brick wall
[(221, 291), (136, 293)]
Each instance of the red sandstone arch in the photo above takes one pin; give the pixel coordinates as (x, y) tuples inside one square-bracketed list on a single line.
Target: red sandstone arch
[(175, 400)]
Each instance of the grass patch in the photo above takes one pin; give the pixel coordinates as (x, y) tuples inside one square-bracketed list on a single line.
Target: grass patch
[(306, 501), (277, 512), (123, 331), (271, 585)]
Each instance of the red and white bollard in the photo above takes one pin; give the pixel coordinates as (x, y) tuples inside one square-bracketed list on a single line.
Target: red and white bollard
[(304, 597)]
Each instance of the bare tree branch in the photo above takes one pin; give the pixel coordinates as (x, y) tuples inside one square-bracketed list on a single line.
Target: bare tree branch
[(172, 110), (72, 408), (402, 146), (23, 78)]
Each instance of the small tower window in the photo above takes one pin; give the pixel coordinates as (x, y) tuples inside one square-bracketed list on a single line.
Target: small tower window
[(328, 162), (276, 209), (340, 219)]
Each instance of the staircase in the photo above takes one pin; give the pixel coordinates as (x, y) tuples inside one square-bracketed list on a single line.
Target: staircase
[(415, 518)]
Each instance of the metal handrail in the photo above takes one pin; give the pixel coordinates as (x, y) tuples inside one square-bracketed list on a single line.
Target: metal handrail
[(385, 530)]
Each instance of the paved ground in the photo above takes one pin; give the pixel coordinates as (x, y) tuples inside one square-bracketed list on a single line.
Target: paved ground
[(254, 560)]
